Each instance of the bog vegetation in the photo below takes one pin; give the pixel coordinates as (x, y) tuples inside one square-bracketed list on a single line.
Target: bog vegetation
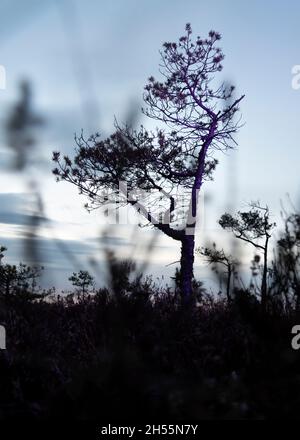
[(134, 351)]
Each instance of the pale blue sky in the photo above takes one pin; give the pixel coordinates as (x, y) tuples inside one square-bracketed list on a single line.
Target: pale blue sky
[(89, 60)]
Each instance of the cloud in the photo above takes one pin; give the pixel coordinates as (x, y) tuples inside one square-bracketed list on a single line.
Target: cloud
[(109, 240), (5, 160), (12, 201), (13, 207), (14, 218), (59, 257)]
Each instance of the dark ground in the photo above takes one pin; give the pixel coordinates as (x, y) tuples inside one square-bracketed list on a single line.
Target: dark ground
[(128, 358)]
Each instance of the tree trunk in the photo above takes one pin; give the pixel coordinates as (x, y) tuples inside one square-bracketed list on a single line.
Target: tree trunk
[(264, 292), (187, 262), (229, 272)]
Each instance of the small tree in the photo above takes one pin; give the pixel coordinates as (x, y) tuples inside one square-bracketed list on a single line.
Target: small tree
[(214, 256), (286, 264), (253, 227), (83, 280), (19, 280), (198, 118), (2, 250)]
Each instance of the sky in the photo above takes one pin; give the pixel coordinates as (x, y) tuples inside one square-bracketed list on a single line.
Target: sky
[(87, 63)]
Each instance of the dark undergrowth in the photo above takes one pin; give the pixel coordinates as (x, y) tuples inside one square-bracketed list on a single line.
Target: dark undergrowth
[(138, 355)]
